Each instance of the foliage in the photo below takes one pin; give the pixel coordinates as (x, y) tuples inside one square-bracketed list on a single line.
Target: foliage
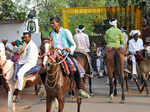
[(49, 8), (10, 11)]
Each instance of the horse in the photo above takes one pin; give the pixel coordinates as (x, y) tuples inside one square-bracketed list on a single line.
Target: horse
[(114, 59), (82, 58), (57, 83), (6, 78), (143, 70)]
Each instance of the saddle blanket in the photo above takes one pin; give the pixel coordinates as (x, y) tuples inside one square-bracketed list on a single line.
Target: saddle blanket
[(32, 70)]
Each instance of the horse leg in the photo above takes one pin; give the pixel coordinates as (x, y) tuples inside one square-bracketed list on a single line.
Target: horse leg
[(90, 86), (79, 104), (123, 95), (126, 78), (11, 104), (138, 85), (61, 103), (145, 83), (79, 99), (48, 104), (73, 95), (115, 89), (111, 88)]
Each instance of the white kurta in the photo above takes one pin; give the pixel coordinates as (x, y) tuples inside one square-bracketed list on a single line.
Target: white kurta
[(82, 42), (29, 59), (133, 47)]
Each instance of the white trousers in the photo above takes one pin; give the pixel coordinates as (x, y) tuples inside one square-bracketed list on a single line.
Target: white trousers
[(25, 68), (133, 64)]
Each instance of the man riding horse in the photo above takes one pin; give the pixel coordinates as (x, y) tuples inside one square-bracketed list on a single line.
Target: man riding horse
[(114, 58), (27, 61), (61, 38), (135, 46), (83, 44)]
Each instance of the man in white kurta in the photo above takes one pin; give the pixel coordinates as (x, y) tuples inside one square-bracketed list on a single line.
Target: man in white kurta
[(83, 45), (27, 60), (135, 45)]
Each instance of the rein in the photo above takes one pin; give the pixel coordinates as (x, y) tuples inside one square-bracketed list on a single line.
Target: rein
[(57, 63)]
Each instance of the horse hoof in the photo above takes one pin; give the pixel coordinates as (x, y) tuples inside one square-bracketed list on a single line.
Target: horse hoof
[(17, 99), (43, 98), (73, 99), (110, 101), (91, 94), (122, 102)]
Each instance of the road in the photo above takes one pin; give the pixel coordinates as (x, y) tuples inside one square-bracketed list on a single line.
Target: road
[(135, 102)]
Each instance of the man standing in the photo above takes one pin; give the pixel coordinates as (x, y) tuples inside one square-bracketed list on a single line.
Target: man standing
[(135, 45), (62, 38), (27, 61)]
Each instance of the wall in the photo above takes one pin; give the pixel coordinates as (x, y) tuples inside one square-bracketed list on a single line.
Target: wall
[(11, 32)]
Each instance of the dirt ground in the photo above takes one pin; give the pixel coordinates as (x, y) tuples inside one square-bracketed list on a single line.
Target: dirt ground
[(135, 102)]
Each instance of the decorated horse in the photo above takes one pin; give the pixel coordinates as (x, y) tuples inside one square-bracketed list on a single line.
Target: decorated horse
[(82, 58), (6, 78), (57, 82), (114, 59)]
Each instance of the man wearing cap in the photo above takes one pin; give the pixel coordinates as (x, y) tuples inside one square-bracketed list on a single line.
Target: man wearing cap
[(83, 45), (27, 61), (135, 45)]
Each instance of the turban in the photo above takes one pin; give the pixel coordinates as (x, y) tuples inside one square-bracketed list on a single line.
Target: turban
[(113, 22), (133, 32), (80, 28)]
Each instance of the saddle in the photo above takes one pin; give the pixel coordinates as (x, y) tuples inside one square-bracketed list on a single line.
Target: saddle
[(110, 51), (68, 65), (28, 74)]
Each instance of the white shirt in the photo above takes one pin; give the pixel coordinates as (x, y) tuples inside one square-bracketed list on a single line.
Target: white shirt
[(125, 36), (82, 42), (59, 40), (30, 54), (135, 45)]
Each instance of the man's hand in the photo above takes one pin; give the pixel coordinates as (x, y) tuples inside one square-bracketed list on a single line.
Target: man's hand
[(67, 49)]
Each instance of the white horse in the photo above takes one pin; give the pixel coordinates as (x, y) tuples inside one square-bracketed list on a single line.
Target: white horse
[(7, 67)]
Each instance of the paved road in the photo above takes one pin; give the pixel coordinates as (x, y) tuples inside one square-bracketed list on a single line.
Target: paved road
[(135, 102)]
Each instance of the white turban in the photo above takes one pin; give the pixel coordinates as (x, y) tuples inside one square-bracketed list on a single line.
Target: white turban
[(133, 32), (78, 29), (114, 23)]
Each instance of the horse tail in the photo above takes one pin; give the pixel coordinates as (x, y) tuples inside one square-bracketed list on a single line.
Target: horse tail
[(117, 64)]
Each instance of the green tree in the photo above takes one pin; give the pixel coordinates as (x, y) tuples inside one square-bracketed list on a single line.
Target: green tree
[(48, 8), (9, 10)]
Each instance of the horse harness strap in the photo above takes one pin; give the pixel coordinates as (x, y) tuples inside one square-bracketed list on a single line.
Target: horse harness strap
[(49, 81)]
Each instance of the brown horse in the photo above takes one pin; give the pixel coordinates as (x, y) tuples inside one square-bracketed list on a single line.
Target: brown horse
[(143, 70), (83, 60), (57, 84), (114, 59)]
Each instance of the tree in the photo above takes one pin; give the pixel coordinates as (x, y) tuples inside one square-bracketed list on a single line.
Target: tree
[(48, 8), (9, 10)]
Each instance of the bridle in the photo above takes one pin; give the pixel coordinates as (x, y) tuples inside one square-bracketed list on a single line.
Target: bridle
[(60, 55)]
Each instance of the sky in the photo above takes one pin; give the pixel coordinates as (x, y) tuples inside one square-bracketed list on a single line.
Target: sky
[(22, 2)]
